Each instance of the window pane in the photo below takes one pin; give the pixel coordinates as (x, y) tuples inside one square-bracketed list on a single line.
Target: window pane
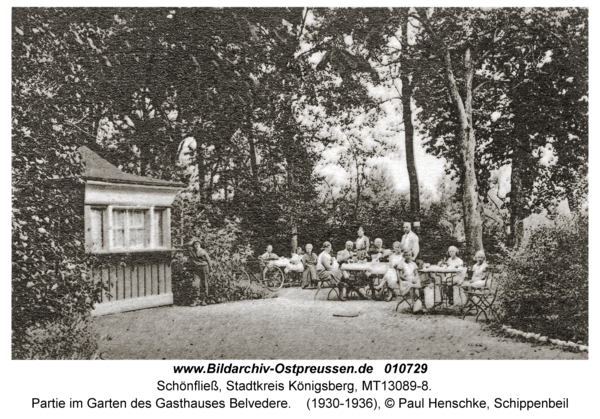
[(136, 228), (158, 227), (119, 227), (97, 228)]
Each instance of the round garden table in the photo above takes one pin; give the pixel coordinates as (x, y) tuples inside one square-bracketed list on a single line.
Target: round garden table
[(374, 268), (369, 270), (443, 290)]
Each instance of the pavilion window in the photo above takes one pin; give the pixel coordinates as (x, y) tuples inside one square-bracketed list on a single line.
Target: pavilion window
[(97, 228), (131, 229), (159, 235), (120, 229)]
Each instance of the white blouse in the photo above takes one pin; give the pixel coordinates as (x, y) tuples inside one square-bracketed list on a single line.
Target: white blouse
[(323, 256), (455, 263), (360, 243), (479, 272), (396, 261)]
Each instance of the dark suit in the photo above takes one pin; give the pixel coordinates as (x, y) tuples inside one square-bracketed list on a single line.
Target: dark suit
[(310, 269)]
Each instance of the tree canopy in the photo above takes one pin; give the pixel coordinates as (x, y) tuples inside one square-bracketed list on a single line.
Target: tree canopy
[(254, 99)]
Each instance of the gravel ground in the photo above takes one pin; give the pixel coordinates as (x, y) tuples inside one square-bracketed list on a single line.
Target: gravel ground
[(294, 326)]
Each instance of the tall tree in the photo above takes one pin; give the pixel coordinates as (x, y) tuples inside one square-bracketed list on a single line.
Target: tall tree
[(373, 33), (409, 130), (543, 80), (456, 42), (529, 100)]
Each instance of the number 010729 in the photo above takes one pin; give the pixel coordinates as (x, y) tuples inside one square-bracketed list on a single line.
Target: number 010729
[(405, 368)]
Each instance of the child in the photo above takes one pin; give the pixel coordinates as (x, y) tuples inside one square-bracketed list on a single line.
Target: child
[(453, 260), (390, 279), (409, 277), (478, 279)]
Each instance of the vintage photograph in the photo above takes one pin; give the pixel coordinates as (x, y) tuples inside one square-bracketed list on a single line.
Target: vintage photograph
[(300, 183)]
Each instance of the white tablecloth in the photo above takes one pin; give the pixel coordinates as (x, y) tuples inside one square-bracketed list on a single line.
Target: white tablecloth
[(375, 268), (280, 263), (442, 269)]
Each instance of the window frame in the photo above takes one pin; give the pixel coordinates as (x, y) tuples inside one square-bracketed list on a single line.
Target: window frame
[(127, 227), (151, 241)]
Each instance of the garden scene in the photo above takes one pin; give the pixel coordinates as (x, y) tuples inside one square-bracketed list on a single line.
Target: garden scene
[(300, 183)]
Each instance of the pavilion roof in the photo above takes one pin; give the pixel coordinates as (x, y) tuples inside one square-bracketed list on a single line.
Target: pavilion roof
[(97, 168)]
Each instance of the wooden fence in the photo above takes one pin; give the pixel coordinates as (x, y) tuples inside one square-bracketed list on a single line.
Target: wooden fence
[(142, 281)]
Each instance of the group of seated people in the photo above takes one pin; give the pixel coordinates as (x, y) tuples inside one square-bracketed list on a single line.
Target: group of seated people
[(402, 273)]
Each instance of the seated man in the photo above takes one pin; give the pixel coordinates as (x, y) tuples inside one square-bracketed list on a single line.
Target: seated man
[(347, 281), (269, 255), (309, 260), (346, 254), (378, 253)]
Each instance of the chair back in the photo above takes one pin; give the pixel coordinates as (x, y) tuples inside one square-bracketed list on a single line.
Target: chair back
[(491, 278)]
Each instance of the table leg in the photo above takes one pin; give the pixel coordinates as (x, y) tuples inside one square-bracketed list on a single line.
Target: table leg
[(438, 296), (451, 289)]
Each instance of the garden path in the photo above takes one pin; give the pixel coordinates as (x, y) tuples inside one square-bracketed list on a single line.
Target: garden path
[(293, 326)]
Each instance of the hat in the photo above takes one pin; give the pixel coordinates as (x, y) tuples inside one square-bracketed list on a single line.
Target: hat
[(194, 240), (325, 245)]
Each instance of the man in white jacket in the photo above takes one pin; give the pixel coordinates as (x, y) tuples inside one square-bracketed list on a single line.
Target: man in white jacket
[(410, 241)]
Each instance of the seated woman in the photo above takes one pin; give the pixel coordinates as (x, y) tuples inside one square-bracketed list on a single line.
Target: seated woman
[(453, 262), (478, 279), (309, 261), (295, 263), (326, 269), (390, 279), (409, 278)]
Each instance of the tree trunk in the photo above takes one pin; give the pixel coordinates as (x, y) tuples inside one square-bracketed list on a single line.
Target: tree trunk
[(357, 190), (470, 197), (201, 170), (415, 204), (290, 189), (294, 241), (470, 194), (253, 164), (521, 181)]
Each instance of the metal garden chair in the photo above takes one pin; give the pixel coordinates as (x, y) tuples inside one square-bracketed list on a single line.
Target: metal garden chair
[(481, 300), (410, 297)]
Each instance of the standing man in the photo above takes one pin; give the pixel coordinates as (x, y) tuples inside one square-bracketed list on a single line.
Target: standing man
[(410, 241), (200, 265)]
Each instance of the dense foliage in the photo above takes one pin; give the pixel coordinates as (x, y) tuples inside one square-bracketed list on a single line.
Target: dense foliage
[(243, 104), (547, 283), (51, 289), (227, 253)]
